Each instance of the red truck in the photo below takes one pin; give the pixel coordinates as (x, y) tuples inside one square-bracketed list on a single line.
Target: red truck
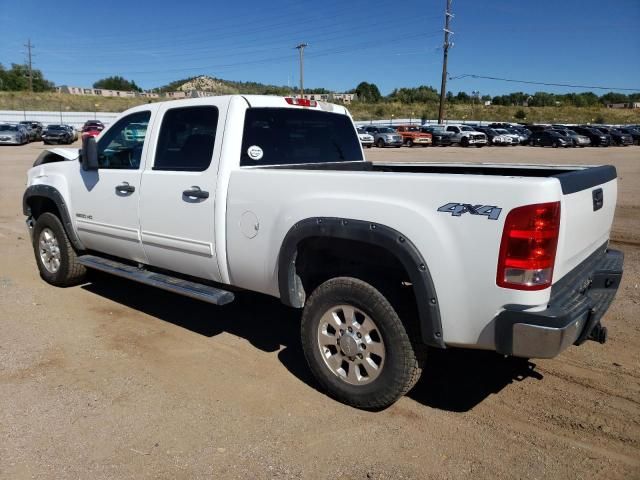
[(411, 135)]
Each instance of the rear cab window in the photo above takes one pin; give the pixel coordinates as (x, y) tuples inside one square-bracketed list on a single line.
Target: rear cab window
[(287, 136)]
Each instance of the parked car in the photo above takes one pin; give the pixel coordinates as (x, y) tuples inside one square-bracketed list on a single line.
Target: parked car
[(33, 128), (617, 137), (634, 132), (93, 123), (577, 139), (13, 134), (439, 135), (495, 138), (467, 136), (384, 136), (365, 139), (522, 133), (57, 133), (90, 131), (549, 138), (384, 260), (598, 139), (413, 135), (515, 138), (72, 131)]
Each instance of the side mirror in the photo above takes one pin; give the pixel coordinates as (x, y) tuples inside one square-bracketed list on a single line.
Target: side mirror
[(89, 153)]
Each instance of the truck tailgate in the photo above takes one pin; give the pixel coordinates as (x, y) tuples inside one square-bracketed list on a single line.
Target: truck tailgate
[(587, 209)]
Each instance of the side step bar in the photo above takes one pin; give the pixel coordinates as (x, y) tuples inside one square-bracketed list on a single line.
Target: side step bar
[(195, 290)]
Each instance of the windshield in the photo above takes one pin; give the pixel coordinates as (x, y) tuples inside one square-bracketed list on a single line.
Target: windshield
[(501, 131), (287, 136), (8, 128), (467, 129), (386, 130), (55, 127)]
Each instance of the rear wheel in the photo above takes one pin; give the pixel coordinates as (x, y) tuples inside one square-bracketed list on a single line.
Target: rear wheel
[(55, 256), (356, 345)]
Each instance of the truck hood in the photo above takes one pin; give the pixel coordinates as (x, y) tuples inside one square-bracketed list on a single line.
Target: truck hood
[(56, 155)]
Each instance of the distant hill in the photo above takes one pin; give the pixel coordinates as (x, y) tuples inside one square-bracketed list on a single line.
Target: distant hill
[(224, 87)]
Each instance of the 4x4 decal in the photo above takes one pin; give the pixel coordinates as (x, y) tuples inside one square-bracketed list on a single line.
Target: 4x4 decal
[(456, 209)]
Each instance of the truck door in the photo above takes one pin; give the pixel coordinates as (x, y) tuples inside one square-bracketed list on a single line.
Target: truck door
[(105, 202), (178, 189)]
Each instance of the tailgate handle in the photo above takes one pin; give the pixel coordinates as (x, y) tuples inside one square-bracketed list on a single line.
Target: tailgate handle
[(598, 199)]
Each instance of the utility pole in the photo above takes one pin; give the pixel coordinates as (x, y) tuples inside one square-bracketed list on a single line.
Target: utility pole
[(301, 48), (29, 47), (443, 86)]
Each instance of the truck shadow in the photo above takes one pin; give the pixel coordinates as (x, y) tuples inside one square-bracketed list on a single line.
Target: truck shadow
[(454, 380)]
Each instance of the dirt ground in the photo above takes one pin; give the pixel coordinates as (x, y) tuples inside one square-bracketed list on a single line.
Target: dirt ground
[(116, 380)]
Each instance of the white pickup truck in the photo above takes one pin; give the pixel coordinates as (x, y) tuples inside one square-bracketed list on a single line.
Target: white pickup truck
[(211, 196)]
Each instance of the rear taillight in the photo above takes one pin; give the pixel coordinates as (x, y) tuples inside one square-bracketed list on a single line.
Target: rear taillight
[(301, 102), (528, 247)]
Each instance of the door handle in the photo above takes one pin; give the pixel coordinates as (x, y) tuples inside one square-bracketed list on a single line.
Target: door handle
[(196, 192), (124, 187)]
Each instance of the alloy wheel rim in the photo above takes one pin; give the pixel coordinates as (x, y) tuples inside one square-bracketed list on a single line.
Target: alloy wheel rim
[(351, 345), (49, 250)]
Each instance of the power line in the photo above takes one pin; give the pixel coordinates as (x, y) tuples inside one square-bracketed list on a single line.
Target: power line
[(547, 84)]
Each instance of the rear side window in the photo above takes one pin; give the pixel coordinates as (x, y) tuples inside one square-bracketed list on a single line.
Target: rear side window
[(186, 140), (287, 136)]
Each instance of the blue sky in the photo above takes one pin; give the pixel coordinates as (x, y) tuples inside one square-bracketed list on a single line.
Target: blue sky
[(392, 44)]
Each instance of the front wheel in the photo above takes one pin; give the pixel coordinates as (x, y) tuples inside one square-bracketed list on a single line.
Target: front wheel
[(380, 143), (410, 143), (356, 345), (464, 141), (55, 256)]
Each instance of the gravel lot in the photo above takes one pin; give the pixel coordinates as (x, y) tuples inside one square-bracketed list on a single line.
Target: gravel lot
[(116, 380)]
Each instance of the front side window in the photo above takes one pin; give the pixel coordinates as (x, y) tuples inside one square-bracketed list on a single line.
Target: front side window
[(287, 136), (186, 140), (121, 147)]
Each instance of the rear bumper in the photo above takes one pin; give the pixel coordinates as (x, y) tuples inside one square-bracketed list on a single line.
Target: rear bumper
[(578, 302)]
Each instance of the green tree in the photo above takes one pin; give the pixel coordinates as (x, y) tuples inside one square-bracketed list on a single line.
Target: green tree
[(117, 83), (613, 97), (368, 92), (17, 78)]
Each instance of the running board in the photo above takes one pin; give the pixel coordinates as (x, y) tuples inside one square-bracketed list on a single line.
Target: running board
[(195, 290)]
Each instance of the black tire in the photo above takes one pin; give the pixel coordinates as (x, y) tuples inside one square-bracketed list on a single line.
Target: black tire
[(410, 143), (554, 144), (380, 143), (464, 141), (402, 365), (69, 272)]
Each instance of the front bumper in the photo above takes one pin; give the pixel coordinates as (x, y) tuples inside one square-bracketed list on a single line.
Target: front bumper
[(10, 141), (578, 302)]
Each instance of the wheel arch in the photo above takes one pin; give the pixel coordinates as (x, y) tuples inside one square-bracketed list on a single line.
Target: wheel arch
[(382, 237), (38, 199)]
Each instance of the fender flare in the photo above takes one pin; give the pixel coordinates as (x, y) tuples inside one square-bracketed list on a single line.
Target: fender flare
[(56, 197), (290, 285)]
